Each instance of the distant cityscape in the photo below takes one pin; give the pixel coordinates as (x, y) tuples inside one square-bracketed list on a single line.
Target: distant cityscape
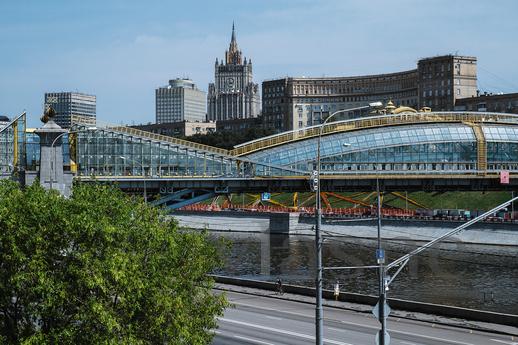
[(233, 103)]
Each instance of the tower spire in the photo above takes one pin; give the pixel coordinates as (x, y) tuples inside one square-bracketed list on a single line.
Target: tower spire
[(233, 55)]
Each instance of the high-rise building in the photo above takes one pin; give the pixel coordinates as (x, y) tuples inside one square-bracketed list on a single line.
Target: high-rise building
[(178, 101), (4, 120), (233, 95), (445, 79), (67, 104), (438, 82)]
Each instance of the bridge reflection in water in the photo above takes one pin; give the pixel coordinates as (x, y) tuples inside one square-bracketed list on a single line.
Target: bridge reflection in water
[(479, 277)]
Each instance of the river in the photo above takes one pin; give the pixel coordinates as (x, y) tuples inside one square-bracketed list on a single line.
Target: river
[(472, 276)]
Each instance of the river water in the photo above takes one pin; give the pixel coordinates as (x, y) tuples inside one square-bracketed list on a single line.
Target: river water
[(472, 276)]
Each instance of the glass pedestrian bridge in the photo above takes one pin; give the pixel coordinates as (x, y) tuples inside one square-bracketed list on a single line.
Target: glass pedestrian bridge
[(402, 144), (433, 144), (12, 145)]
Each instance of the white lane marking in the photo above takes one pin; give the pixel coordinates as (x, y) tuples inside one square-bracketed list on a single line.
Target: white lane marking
[(253, 340), (367, 326), (305, 315), (273, 317), (505, 342), (336, 329), (430, 337), (282, 331)]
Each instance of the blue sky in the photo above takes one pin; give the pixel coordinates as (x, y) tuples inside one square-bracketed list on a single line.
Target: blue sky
[(122, 50)]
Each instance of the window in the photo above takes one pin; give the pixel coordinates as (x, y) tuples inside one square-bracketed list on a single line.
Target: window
[(458, 91)]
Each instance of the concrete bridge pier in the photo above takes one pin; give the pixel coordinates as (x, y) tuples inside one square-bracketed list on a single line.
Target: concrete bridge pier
[(51, 174), (283, 223)]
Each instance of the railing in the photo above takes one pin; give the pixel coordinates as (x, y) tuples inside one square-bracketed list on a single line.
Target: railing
[(371, 122)]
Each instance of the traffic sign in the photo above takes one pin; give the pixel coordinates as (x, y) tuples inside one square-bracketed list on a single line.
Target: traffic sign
[(265, 196), (387, 338), (380, 254), (376, 310)]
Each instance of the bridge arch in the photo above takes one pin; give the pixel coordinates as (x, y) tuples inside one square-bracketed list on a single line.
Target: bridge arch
[(411, 143)]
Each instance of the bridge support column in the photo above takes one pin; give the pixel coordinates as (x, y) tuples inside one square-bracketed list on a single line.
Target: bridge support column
[(51, 174), (283, 223)]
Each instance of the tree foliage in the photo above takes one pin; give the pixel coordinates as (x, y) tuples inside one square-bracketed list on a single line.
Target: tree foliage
[(101, 268), (229, 139)]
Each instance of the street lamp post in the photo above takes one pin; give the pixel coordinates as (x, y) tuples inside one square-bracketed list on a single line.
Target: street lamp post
[(53, 163), (319, 323), (380, 257), (142, 166)]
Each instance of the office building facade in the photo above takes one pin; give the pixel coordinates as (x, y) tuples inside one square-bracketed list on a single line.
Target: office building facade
[(233, 95), (180, 101), (293, 103), (67, 104), (179, 129), (495, 103), (445, 79)]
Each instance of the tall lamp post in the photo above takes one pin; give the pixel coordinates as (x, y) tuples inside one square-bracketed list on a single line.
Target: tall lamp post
[(53, 163), (142, 166), (319, 321)]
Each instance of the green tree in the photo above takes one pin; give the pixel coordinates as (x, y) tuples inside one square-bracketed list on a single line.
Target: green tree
[(101, 268), (228, 139)]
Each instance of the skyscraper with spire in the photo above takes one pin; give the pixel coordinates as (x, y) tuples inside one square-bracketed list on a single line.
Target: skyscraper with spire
[(233, 95)]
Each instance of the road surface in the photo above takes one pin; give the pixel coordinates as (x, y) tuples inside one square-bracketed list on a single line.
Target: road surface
[(258, 320)]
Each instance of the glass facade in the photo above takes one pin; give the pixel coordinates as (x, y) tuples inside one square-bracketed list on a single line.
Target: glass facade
[(423, 148), (12, 145), (436, 148), (105, 152)]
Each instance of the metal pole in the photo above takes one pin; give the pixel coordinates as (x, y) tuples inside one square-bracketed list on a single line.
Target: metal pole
[(53, 161), (381, 261), (318, 242), (319, 323), (145, 190), (512, 206)]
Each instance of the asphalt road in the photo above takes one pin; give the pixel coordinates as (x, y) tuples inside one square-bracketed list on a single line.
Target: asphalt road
[(257, 320)]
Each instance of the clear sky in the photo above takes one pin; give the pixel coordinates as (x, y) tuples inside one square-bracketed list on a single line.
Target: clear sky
[(122, 50)]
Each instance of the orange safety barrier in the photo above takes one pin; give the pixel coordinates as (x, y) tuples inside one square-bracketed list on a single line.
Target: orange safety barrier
[(349, 211)]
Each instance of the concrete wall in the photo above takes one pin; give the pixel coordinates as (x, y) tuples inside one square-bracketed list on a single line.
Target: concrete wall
[(293, 223), (224, 221)]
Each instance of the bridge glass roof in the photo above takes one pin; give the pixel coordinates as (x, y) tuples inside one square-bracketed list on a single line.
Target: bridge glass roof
[(349, 142), (116, 151), (422, 148), (501, 133)]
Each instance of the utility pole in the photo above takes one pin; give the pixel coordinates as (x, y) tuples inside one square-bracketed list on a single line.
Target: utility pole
[(319, 321), (380, 258)]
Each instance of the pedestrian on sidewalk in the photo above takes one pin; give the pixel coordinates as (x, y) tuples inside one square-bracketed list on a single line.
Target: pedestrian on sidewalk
[(279, 286)]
